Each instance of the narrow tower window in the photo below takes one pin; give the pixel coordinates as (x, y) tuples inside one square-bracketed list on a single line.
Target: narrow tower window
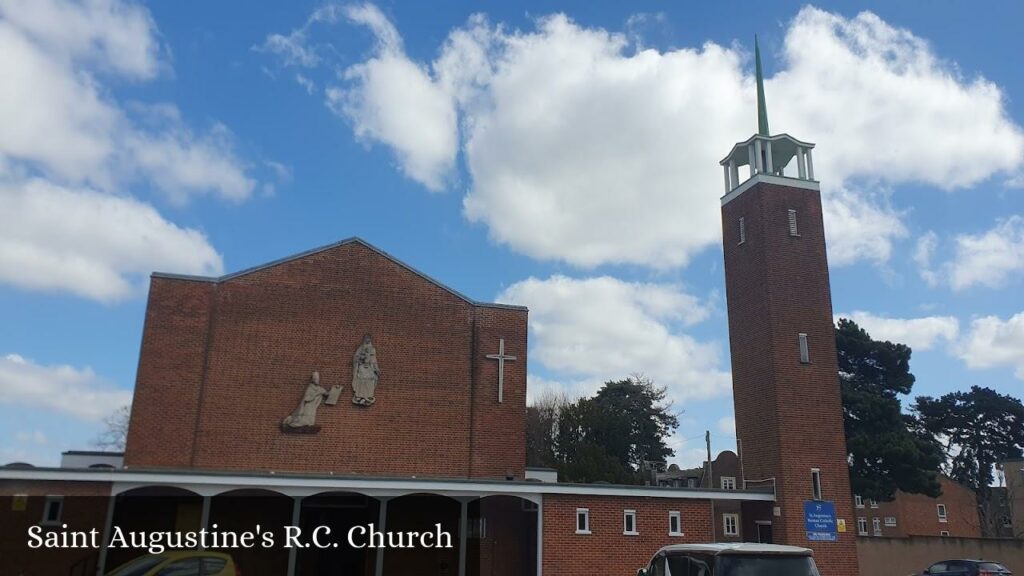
[(815, 484), (629, 522), (805, 353), (743, 231), (582, 521), (793, 231)]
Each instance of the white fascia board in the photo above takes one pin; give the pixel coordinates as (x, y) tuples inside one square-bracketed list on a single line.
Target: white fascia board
[(213, 484), (770, 179)]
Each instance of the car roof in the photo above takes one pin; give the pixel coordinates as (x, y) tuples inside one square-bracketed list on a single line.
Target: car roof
[(175, 554), (737, 548)]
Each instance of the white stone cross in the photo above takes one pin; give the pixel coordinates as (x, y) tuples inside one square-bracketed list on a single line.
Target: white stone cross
[(501, 357)]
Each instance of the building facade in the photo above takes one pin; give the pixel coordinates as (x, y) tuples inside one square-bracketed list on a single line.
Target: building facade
[(954, 514)]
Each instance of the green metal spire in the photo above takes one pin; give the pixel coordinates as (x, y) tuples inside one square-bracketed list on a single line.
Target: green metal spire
[(762, 109)]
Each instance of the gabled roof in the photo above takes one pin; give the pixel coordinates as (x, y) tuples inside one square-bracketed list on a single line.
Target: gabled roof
[(352, 240)]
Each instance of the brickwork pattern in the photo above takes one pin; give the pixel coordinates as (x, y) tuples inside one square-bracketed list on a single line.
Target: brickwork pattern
[(788, 414), (222, 363), (606, 550)]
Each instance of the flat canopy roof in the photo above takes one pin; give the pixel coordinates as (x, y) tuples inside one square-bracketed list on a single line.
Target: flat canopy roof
[(210, 482)]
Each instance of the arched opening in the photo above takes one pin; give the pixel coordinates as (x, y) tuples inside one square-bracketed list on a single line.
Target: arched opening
[(258, 511), (501, 536), (424, 513), (339, 512), (153, 509)]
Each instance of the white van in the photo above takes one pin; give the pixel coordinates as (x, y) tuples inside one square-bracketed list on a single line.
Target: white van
[(731, 560)]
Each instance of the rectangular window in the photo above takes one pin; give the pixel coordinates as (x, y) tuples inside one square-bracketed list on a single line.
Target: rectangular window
[(675, 524), (476, 528), (805, 352), (862, 526), (582, 521), (792, 224), (890, 520), (743, 230), (941, 509), (728, 482), (815, 484), (629, 522), (53, 509), (874, 503), (731, 524), (944, 533), (876, 525), (858, 501)]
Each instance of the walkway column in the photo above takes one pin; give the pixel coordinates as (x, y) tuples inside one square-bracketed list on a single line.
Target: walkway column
[(108, 527), (540, 536), (463, 525), (204, 518), (296, 518), (382, 521)]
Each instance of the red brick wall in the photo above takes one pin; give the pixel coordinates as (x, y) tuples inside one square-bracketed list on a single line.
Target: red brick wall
[(606, 550), (85, 508), (788, 414), (920, 516), (223, 363)]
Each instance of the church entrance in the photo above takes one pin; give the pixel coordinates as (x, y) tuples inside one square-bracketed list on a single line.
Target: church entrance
[(340, 511), (153, 509), (502, 537), (421, 513), (243, 510)]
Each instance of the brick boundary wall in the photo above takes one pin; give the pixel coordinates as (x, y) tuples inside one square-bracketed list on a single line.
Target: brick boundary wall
[(905, 556)]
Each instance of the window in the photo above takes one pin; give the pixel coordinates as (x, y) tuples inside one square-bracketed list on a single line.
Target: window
[(944, 533), (890, 520), (476, 528), (876, 526), (675, 524), (731, 524), (792, 224), (743, 230), (941, 509), (805, 353), (858, 501), (187, 567), (862, 526), (629, 522), (728, 482), (213, 566), (691, 482), (815, 484), (874, 503), (582, 521), (53, 509)]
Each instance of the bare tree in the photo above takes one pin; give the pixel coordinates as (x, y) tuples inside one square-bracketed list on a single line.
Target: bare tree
[(115, 430)]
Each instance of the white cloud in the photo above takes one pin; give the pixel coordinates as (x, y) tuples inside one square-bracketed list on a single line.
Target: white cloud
[(293, 49), (584, 148), (859, 226), (70, 154), (918, 333), (597, 329), (993, 342), (924, 252), (95, 245), (727, 426), (60, 388), (991, 258), (396, 101), (113, 35)]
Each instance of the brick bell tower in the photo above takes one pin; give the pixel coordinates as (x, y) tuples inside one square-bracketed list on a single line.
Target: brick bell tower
[(789, 418)]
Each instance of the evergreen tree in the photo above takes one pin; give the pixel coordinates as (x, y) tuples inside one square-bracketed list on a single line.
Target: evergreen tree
[(888, 450)]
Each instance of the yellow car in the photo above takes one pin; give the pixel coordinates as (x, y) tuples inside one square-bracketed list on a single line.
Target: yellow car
[(179, 563)]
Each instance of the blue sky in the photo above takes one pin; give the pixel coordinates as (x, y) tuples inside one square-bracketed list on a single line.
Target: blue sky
[(562, 157)]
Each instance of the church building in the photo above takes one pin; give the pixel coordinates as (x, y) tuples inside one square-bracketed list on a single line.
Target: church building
[(340, 387)]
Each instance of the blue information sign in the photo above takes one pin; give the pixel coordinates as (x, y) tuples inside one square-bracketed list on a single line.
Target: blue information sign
[(820, 521)]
